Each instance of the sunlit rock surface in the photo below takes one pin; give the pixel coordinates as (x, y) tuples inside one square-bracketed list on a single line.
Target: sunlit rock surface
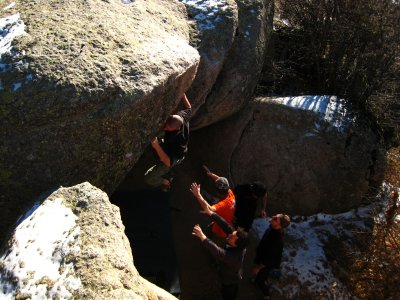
[(84, 87), (72, 245), (231, 58)]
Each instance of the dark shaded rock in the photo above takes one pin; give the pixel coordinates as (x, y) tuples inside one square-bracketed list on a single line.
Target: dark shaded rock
[(312, 161), (312, 154)]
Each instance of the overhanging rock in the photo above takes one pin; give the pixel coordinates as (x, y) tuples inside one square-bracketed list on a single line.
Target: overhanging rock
[(84, 87)]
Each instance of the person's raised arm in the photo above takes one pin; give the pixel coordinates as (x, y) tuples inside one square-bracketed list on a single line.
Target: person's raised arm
[(160, 152), (264, 206), (215, 250), (198, 232), (195, 189), (185, 101), (210, 174), (228, 229)]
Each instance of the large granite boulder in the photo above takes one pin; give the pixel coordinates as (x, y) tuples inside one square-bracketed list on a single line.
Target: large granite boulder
[(72, 245), (313, 152), (214, 26), (84, 86), (231, 39)]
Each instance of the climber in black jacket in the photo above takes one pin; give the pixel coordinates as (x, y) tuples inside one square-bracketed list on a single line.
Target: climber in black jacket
[(269, 251)]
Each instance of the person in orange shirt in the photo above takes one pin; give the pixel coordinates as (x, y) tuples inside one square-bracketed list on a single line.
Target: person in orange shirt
[(223, 205)]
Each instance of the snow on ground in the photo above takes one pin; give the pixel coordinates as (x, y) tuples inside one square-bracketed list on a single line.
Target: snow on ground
[(330, 108), (37, 264), (10, 28), (304, 258), (205, 12), (11, 5)]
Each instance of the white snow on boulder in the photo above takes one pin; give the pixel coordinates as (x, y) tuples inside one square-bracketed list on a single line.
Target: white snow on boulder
[(10, 28), (205, 12), (330, 108), (37, 265), (11, 5)]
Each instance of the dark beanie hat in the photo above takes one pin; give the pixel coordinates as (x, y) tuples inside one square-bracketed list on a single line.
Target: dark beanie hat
[(222, 184)]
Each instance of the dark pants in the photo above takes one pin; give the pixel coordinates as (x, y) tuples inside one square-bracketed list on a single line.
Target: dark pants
[(262, 280), (155, 175), (229, 291)]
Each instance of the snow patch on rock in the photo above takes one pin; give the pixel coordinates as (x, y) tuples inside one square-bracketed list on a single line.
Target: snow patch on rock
[(37, 263), (330, 108), (205, 12), (10, 28)]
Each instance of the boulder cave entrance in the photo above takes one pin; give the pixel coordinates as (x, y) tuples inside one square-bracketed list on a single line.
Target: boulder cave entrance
[(146, 217)]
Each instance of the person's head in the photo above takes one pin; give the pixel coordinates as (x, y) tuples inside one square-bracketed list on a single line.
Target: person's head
[(279, 221), (258, 189), (238, 239), (173, 122), (222, 185)]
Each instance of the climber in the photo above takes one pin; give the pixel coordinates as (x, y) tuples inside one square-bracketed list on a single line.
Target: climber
[(230, 256), (223, 204), (171, 149)]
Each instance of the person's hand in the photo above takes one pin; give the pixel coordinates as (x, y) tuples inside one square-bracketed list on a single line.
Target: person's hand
[(206, 169), (256, 269), (154, 142), (195, 189), (198, 232)]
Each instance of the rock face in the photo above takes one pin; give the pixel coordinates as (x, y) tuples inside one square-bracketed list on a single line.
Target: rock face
[(72, 245), (311, 152), (84, 86), (231, 39), (308, 150)]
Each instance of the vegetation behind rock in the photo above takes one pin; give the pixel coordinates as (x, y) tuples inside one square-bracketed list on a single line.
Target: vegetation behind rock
[(341, 47)]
